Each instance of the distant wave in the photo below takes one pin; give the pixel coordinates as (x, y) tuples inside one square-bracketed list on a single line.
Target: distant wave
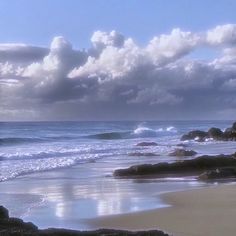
[(110, 135), (22, 140), (9, 141), (139, 132)]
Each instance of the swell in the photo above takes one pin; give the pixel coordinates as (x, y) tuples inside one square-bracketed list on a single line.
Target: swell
[(140, 132), (110, 135), (10, 140), (22, 140)]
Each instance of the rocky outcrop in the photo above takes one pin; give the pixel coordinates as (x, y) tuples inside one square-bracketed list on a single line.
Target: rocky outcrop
[(145, 144), (185, 167), (195, 134), (215, 133), (3, 213), (179, 152), (218, 173), (101, 232), (17, 227)]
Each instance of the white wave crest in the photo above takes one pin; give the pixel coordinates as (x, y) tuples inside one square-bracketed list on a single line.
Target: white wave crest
[(143, 131)]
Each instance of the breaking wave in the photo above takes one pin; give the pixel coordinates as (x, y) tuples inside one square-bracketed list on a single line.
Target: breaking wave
[(139, 132)]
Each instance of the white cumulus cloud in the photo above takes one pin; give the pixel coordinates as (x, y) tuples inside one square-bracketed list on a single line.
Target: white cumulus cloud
[(118, 79)]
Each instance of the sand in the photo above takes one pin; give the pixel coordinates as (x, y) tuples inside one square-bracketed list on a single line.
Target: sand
[(200, 212)]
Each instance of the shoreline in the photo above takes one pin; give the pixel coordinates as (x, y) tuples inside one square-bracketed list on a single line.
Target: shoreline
[(198, 212)]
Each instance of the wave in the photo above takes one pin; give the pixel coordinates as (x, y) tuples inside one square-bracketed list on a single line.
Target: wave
[(110, 135), (7, 141), (22, 140), (38, 155), (23, 167), (139, 132)]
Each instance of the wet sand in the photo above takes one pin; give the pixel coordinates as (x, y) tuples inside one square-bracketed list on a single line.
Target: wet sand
[(200, 212)]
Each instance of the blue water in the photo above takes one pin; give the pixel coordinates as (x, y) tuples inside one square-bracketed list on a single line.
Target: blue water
[(58, 173), (31, 147)]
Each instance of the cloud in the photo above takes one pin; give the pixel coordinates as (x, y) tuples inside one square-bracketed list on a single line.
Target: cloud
[(178, 43), (21, 53), (118, 79), (101, 39), (222, 34)]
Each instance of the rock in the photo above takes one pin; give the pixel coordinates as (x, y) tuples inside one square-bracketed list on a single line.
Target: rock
[(144, 144), (234, 126), (218, 173), (195, 134), (215, 133), (101, 232), (143, 154), (17, 227), (185, 167), (228, 135), (181, 153), (3, 213)]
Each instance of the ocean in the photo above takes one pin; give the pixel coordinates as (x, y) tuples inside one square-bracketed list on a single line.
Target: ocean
[(58, 174)]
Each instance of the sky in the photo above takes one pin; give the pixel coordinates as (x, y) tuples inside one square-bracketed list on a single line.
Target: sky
[(117, 60)]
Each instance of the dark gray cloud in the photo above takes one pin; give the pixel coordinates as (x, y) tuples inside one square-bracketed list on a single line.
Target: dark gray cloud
[(117, 79), (21, 53)]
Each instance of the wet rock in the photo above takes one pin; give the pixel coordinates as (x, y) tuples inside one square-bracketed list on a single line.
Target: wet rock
[(17, 227), (101, 232), (3, 213), (185, 167), (195, 134), (218, 173), (228, 135), (144, 144), (215, 133), (182, 153), (234, 126)]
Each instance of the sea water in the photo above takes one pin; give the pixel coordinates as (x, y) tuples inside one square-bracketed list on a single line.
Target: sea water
[(60, 173)]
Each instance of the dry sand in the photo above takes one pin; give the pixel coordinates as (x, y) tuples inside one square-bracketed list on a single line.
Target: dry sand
[(201, 212)]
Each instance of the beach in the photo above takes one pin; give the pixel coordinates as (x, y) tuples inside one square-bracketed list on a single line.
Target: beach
[(200, 212), (62, 174)]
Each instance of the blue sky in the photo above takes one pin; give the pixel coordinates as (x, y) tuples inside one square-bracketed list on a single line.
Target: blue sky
[(37, 22)]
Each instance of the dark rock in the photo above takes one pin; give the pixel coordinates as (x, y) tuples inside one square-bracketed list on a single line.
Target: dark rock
[(3, 213), (195, 134), (143, 144), (17, 227), (181, 153), (218, 173), (234, 126), (215, 133), (228, 135), (141, 154), (186, 167), (101, 232)]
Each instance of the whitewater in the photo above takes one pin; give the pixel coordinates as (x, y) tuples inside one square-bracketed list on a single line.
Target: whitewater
[(31, 147)]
